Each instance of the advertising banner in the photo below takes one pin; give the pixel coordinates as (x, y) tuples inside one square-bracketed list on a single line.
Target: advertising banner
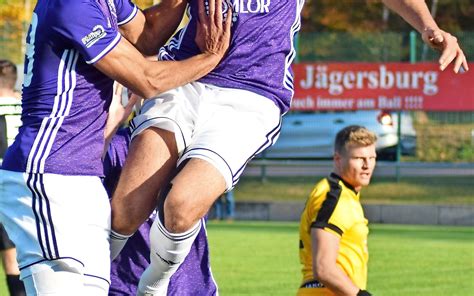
[(388, 86)]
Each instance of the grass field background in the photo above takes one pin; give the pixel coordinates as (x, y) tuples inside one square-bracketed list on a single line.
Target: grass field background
[(261, 258)]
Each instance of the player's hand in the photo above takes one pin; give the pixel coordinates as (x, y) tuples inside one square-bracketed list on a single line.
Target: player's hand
[(213, 32), (118, 113), (448, 46), (135, 99)]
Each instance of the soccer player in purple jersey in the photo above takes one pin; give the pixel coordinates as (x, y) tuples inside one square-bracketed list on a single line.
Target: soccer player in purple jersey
[(192, 143), (194, 276), (52, 201)]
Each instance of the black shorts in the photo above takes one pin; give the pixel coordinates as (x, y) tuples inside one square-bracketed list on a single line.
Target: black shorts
[(5, 242)]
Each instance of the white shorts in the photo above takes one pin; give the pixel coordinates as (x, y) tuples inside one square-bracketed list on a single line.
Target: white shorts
[(55, 219), (226, 127)]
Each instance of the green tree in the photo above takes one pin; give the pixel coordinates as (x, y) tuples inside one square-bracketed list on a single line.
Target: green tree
[(368, 15)]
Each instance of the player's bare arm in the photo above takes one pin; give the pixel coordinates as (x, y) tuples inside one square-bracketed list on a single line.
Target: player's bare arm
[(150, 29), (416, 13), (118, 114), (147, 78), (325, 248)]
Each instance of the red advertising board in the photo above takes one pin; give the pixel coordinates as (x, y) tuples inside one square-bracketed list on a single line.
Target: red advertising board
[(390, 86)]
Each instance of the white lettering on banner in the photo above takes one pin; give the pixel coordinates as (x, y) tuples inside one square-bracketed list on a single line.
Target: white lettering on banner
[(325, 103), (336, 82), (303, 103), (414, 102), (390, 103), (366, 104), (348, 103)]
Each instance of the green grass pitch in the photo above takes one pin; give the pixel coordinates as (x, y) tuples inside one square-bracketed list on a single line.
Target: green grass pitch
[(261, 258)]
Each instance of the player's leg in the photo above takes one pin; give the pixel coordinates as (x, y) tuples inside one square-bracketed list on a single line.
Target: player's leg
[(225, 138), (160, 133), (151, 159), (192, 194), (10, 265), (218, 209), (193, 191), (62, 279), (60, 226), (131, 262), (194, 276), (229, 205), (58, 280), (12, 273)]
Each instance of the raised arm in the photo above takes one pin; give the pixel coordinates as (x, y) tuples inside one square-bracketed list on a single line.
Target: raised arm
[(149, 78), (325, 248), (150, 29), (417, 14)]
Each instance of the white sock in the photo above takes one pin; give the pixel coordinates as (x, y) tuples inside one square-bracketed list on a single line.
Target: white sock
[(117, 242), (167, 252)]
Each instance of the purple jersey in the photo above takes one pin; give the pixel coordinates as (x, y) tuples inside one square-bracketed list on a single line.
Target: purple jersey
[(261, 52), (193, 277), (65, 98), (115, 159)]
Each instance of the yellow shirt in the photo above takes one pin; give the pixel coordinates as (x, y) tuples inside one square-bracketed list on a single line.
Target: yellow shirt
[(335, 207)]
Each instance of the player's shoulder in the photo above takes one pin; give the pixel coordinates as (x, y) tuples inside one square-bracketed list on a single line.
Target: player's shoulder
[(70, 7), (320, 190), (322, 186), (66, 13), (74, 18), (78, 7)]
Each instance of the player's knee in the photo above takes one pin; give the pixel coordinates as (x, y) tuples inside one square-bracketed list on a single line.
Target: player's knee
[(126, 227), (179, 215), (179, 223)]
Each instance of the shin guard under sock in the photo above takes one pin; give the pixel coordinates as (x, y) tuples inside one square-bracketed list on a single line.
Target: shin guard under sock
[(167, 252)]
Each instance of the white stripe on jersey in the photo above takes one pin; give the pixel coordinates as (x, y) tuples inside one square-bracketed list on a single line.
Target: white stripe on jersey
[(29, 164), (67, 97), (38, 153), (106, 50), (288, 77), (130, 17)]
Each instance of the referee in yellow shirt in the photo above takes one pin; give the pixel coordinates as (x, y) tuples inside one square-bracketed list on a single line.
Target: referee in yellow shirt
[(333, 229)]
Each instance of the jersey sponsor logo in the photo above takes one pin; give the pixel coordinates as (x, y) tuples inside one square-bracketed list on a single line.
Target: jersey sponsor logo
[(251, 6), (97, 33), (242, 6), (312, 284)]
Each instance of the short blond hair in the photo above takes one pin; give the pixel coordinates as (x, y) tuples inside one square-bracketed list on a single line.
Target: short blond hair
[(353, 135)]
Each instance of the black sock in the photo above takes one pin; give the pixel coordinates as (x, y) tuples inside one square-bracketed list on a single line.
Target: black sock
[(15, 285)]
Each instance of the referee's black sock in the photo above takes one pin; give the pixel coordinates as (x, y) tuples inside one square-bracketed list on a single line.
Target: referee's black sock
[(15, 285)]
